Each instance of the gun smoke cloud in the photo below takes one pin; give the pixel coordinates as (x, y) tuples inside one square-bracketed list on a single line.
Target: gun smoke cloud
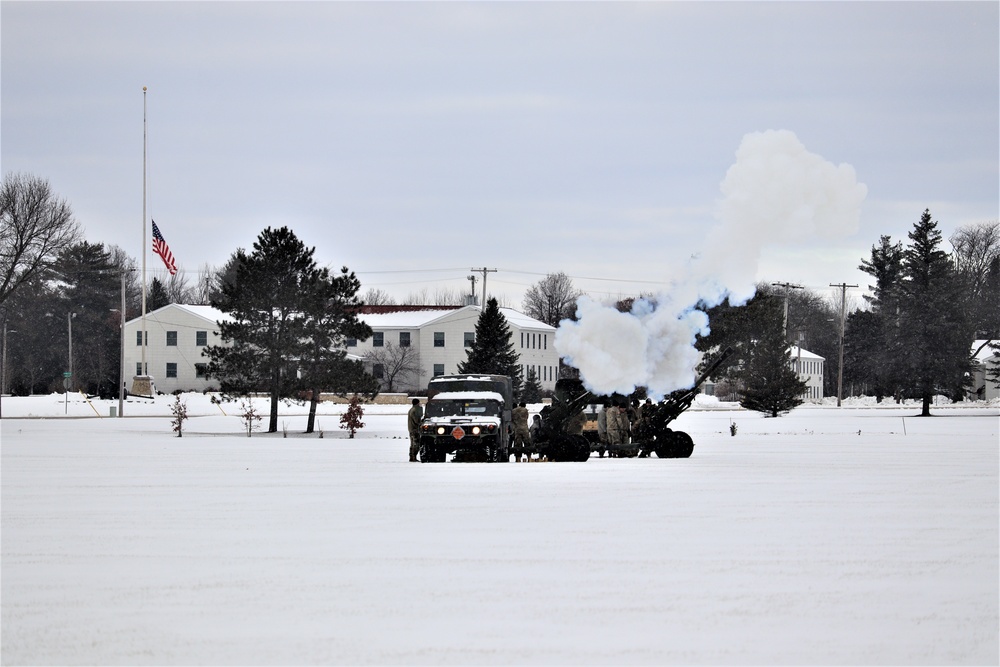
[(775, 192)]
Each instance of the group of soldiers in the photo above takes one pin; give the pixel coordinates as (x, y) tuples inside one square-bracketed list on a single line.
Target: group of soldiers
[(524, 435), (620, 422)]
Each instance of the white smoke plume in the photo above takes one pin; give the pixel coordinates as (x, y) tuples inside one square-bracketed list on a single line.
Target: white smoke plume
[(776, 191)]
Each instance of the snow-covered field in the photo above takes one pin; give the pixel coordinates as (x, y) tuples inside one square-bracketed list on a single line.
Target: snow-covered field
[(829, 536)]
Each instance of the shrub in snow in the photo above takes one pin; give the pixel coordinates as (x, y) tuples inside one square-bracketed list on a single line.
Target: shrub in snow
[(179, 410), (248, 413), (351, 419)]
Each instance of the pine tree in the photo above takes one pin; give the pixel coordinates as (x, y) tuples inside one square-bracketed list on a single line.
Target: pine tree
[(493, 350), (934, 333), (267, 303), (157, 297), (331, 315), (532, 392), (877, 342), (770, 385)]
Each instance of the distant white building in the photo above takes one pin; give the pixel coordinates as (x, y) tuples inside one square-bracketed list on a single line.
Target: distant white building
[(983, 387), (176, 336), (810, 368), (442, 337)]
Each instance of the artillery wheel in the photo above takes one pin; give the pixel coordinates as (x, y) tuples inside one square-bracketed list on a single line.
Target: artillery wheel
[(666, 445), (683, 445)]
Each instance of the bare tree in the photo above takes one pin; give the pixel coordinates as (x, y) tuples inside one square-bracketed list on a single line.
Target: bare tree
[(35, 227), (178, 290), (202, 291), (377, 297), (398, 363), (975, 247), (977, 261), (552, 299)]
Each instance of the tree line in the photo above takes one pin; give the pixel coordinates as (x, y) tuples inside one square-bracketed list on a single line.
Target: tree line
[(910, 338)]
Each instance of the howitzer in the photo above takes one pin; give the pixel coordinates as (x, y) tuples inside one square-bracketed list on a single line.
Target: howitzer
[(654, 433), (560, 437)]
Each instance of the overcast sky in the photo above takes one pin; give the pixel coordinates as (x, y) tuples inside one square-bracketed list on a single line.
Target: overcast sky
[(589, 138)]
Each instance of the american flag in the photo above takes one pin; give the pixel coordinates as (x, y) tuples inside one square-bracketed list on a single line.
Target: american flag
[(161, 248)]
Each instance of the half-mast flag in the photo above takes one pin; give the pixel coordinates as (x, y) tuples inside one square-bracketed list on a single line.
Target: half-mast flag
[(161, 248)]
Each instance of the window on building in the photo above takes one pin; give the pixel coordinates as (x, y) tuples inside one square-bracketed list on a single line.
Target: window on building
[(522, 339), (201, 338), (171, 370), (201, 370), (404, 339), (545, 341), (470, 338), (172, 338), (439, 341), (438, 369), (138, 339), (378, 339), (138, 368), (378, 371), (351, 342)]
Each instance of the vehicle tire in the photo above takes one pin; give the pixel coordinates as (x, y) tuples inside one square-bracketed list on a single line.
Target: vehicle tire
[(427, 454)]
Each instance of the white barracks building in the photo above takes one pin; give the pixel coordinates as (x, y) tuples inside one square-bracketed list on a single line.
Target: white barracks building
[(177, 334)]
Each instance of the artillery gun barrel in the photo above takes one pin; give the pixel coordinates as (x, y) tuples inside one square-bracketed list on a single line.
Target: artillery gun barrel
[(680, 403)]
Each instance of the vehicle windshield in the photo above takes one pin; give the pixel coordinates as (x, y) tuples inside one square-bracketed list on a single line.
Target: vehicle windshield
[(462, 408)]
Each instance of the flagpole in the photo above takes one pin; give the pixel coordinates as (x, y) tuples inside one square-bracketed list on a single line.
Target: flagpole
[(143, 341)]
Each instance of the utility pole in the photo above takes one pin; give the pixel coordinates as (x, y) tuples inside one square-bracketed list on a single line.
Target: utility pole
[(787, 287), (840, 367), (472, 301), (121, 359), (484, 271)]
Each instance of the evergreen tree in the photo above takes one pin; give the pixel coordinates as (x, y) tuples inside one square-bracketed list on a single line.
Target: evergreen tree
[(770, 385), (532, 392), (876, 343), (934, 333), (331, 316), (493, 350), (864, 355), (156, 297), (90, 286), (268, 303)]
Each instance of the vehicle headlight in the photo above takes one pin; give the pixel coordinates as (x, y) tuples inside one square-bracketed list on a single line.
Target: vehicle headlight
[(476, 430), (440, 430)]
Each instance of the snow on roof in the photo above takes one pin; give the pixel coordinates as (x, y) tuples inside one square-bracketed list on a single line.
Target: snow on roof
[(806, 354), (207, 313), (406, 319), (414, 319), (467, 396)]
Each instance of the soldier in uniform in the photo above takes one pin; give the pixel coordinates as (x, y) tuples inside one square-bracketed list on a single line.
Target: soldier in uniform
[(413, 418), (614, 424), (536, 424), (575, 424), (519, 416)]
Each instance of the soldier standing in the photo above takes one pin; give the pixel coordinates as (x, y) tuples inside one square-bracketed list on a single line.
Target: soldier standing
[(614, 424), (536, 424), (413, 418), (519, 416), (575, 424)]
